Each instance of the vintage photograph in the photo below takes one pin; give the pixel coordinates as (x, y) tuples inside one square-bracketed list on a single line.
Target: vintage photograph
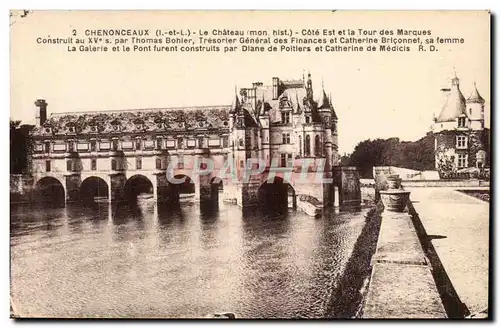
[(250, 164)]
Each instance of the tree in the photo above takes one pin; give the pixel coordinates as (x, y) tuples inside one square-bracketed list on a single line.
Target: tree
[(418, 155), (21, 147)]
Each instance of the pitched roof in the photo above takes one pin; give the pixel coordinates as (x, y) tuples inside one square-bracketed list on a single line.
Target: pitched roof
[(136, 120)]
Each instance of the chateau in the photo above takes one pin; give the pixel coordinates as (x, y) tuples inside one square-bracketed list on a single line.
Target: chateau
[(120, 153), (461, 138)]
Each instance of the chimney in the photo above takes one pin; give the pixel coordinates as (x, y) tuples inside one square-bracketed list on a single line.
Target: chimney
[(275, 87), (40, 112)]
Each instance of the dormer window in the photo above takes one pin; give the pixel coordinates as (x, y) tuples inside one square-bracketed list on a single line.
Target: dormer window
[(47, 130), (71, 129), (308, 119), (285, 117), (461, 122)]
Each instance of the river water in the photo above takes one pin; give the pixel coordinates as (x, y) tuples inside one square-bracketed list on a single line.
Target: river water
[(151, 261)]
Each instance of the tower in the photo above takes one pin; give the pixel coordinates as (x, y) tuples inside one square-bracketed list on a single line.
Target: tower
[(475, 109), (40, 112)]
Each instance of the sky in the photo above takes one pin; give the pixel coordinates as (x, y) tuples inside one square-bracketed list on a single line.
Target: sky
[(375, 95)]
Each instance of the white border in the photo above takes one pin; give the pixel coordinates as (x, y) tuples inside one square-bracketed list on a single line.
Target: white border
[(212, 5)]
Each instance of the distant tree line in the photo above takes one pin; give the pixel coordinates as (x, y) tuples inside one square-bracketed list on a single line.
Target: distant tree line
[(21, 147), (416, 155)]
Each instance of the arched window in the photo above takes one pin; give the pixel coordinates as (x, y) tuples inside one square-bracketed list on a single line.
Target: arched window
[(158, 163), (317, 146), (307, 145)]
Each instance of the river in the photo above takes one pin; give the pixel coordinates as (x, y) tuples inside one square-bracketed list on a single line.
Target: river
[(152, 261)]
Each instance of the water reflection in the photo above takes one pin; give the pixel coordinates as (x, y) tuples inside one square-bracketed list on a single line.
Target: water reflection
[(176, 261)]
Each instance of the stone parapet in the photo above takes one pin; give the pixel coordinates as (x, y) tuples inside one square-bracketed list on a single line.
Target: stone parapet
[(401, 284)]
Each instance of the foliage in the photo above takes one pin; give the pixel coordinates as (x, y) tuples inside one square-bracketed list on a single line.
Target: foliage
[(418, 155), (21, 147)]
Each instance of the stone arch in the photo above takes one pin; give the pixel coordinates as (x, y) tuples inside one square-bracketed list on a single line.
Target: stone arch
[(94, 189), (182, 188), (49, 190), (136, 185), (277, 195)]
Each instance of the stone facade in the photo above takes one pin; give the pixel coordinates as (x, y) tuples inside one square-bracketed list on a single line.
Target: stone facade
[(277, 124), (461, 138)]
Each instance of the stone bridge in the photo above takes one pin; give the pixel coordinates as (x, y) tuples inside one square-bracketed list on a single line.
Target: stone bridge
[(202, 176)]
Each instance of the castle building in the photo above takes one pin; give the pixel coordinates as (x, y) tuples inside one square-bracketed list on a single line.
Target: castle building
[(461, 138), (115, 152)]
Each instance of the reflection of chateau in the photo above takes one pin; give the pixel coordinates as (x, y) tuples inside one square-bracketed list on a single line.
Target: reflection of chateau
[(460, 133), (115, 152)]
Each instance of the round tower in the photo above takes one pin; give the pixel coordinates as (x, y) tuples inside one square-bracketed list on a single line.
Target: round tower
[(475, 109)]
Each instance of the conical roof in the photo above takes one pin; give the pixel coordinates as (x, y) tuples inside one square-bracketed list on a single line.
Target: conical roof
[(323, 101), (236, 104), (455, 104), (475, 97)]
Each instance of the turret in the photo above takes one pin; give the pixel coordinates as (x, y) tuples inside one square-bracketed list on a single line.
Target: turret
[(475, 106), (40, 112)]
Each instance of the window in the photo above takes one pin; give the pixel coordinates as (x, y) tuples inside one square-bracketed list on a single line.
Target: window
[(470, 111), (225, 142), (286, 138), (71, 146), (93, 164), (283, 160), (47, 166), (93, 145), (461, 142), (69, 165), (462, 160), (138, 163), (300, 145), (115, 144), (159, 143), (242, 163), (138, 143), (290, 160), (285, 117), (307, 145), (158, 163), (461, 122), (47, 147), (200, 142), (241, 142), (113, 164), (180, 143), (317, 146), (308, 119)]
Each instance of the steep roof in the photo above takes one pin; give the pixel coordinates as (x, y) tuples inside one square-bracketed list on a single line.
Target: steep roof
[(455, 104), (475, 97)]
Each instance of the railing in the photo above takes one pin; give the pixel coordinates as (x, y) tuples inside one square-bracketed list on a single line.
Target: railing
[(482, 174)]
